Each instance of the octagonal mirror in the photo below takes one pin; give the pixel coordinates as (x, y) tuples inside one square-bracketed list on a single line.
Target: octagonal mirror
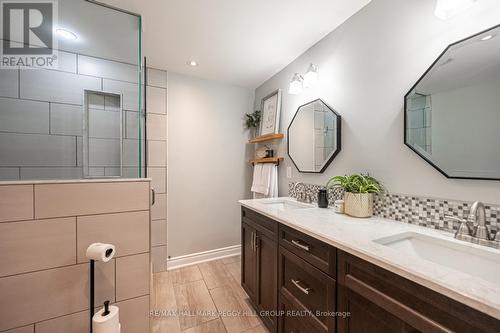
[(452, 114), (314, 137)]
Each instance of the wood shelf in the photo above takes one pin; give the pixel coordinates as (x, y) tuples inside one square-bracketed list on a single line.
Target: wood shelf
[(269, 137), (275, 160)]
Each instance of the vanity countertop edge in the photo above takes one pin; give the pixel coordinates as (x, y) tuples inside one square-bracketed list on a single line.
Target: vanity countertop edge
[(355, 236)]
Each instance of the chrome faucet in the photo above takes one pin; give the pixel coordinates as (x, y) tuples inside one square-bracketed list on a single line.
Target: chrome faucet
[(477, 216), (474, 228), (301, 196)]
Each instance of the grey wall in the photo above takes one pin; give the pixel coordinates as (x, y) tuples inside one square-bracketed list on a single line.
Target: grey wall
[(41, 119), (366, 67), (207, 163)]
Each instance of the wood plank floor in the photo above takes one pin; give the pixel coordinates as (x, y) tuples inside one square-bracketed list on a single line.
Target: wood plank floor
[(203, 298)]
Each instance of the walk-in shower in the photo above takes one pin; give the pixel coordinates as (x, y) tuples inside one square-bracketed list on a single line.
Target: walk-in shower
[(83, 117)]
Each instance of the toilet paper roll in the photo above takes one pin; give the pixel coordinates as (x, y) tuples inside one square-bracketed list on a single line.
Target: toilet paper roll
[(109, 323), (101, 252)]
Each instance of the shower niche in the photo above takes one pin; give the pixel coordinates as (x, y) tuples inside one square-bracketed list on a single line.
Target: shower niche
[(102, 134)]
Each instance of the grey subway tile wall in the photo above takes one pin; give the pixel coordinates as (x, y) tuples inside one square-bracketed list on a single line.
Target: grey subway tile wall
[(9, 83), (41, 119), (156, 94), (21, 116)]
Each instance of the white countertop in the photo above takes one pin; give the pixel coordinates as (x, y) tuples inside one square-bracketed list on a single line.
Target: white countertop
[(355, 236)]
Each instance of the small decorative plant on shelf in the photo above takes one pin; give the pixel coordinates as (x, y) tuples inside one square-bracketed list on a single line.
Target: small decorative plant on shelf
[(359, 190), (252, 122)]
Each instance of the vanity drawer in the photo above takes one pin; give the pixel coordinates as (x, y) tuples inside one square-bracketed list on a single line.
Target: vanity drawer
[(315, 252), (307, 286), (295, 320), (262, 223)]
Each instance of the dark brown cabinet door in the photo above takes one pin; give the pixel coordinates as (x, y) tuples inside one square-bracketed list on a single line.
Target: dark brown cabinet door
[(380, 301), (366, 317), (249, 261), (267, 251)]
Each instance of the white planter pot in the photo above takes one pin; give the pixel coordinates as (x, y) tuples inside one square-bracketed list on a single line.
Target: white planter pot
[(358, 204)]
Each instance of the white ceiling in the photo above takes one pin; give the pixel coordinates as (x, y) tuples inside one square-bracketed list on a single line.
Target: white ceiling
[(243, 42)]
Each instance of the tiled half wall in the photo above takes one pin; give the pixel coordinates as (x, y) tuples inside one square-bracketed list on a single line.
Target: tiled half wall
[(426, 212), (156, 99), (45, 229)]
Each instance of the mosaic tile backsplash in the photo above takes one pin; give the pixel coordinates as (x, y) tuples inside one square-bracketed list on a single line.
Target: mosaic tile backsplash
[(426, 212)]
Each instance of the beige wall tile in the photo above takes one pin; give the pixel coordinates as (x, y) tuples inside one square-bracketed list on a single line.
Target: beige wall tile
[(159, 258), (104, 283), (158, 232), (129, 232), (36, 245), (159, 209), (74, 323), (134, 315), (16, 202), (57, 200), (25, 329), (157, 127), (159, 179), (157, 153), (132, 276), (50, 293)]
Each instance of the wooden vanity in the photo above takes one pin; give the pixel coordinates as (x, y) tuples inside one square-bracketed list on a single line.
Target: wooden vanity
[(299, 284)]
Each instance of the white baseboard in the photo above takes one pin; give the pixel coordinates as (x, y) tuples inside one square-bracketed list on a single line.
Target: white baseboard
[(196, 258)]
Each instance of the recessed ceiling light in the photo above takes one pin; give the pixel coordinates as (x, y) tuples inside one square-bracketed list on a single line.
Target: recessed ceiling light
[(488, 37), (66, 34), (192, 63)]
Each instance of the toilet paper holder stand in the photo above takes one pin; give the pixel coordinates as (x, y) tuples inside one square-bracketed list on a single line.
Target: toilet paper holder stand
[(97, 252)]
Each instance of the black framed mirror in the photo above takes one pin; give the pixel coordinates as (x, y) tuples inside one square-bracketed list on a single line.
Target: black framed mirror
[(452, 114), (314, 137)]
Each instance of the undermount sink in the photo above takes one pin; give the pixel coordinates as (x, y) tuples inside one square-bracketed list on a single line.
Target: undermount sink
[(286, 204), (481, 263)]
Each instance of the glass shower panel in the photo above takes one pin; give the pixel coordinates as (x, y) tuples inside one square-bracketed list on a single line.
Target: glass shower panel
[(42, 109)]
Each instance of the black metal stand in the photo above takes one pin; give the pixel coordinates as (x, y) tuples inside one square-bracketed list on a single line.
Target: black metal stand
[(91, 291)]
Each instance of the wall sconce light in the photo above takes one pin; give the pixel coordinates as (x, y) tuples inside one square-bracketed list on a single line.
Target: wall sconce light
[(299, 82), (296, 85), (446, 9), (311, 77)]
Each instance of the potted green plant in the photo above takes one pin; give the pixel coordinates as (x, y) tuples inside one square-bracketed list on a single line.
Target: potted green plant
[(252, 122), (359, 190)]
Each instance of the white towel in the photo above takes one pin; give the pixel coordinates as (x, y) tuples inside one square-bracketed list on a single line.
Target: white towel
[(265, 180), (273, 184)]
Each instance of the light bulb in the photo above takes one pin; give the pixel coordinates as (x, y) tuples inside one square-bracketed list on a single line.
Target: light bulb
[(296, 85), (446, 9), (66, 34), (487, 37), (311, 77)]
